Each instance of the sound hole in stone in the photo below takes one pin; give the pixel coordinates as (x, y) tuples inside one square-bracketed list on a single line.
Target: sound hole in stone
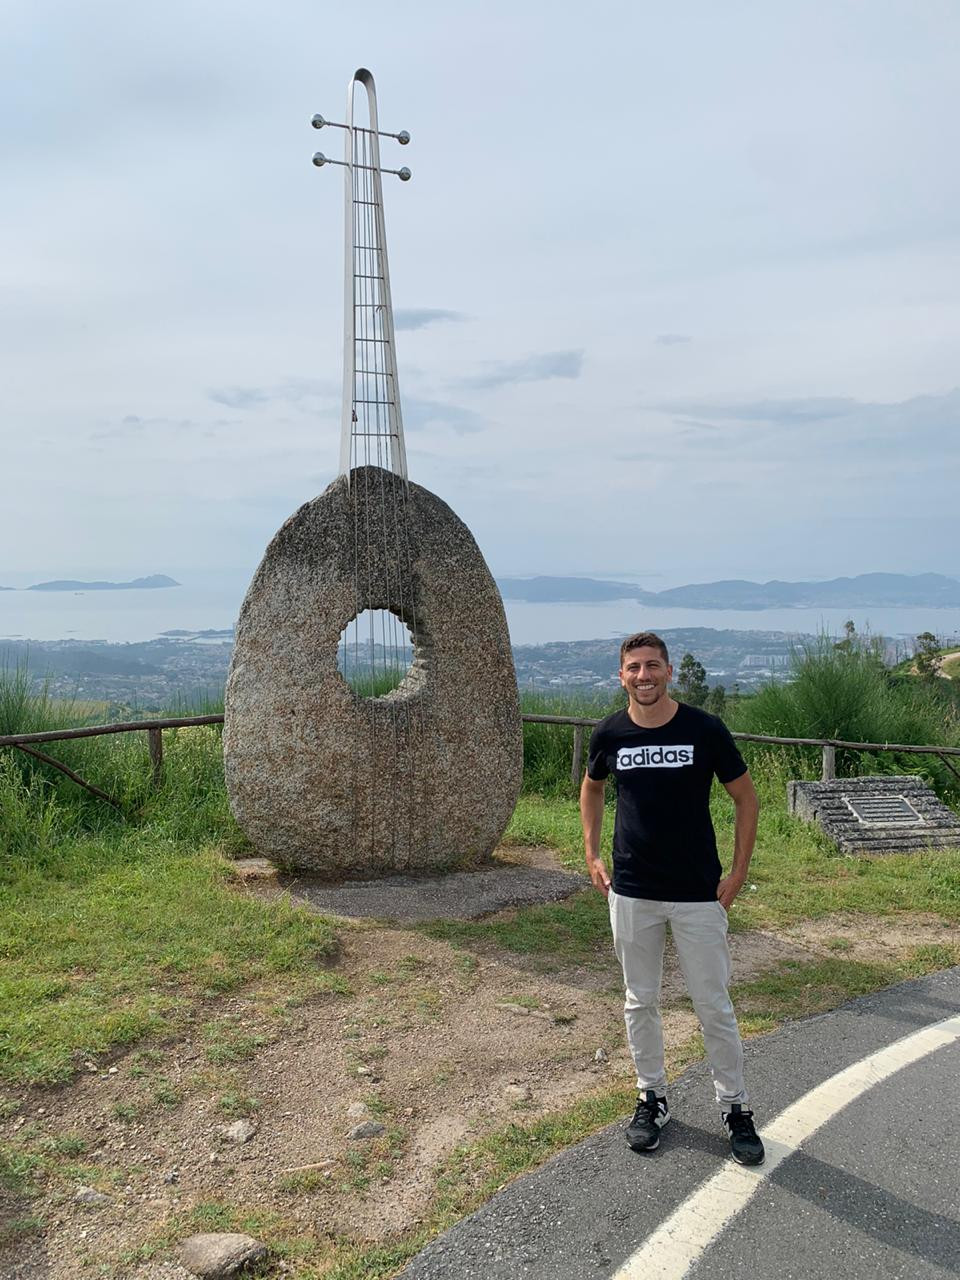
[(375, 653)]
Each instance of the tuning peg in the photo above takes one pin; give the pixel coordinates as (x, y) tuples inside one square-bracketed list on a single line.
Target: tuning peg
[(320, 122)]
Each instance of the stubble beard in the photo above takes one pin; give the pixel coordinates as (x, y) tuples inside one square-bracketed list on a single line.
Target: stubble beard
[(653, 696)]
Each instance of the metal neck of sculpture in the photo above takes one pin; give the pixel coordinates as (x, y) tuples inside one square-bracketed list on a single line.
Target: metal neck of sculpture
[(372, 422), (393, 748)]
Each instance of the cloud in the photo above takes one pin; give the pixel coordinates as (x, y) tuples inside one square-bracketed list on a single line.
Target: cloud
[(800, 410), (131, 425), (420, 317), (433, 413), (550, 364), (290, 391), (242, 397), (873, 449), (671, 339), (692, 426)]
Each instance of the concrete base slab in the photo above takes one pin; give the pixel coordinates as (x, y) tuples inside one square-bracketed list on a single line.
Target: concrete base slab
[(461, 895)]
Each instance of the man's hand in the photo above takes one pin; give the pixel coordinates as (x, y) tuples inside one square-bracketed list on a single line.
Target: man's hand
[(727, 890), (746, 807), (598, 874), (591, 815)]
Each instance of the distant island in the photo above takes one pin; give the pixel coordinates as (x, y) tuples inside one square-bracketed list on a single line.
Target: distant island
[(138, 584), (567, 590), (867, 590), (209, 633)]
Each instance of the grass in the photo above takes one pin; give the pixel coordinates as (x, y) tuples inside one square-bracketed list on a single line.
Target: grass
[(796, 873), (117, 929), (235, 1104), (113, 929), (555, 821), (799, 990), (573, 932), (848, 694), (547, 747), (97, 960), (227, 1044)]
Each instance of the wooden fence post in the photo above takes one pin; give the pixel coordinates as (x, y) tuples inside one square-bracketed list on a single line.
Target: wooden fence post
[(577, 754), (829, 764), (155, 744)]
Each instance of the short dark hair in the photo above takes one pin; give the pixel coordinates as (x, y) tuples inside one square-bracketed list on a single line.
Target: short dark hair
[(644, 640)]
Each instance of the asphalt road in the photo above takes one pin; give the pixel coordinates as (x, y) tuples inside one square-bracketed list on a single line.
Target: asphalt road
[(874, 1192)]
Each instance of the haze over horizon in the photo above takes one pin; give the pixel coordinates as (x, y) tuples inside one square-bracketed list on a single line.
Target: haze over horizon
[(695, 311)]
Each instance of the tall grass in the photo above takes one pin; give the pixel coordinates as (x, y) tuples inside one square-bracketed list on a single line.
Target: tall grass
[(548, 748), (27, 709), (191, 804), (112, 924), (833, 693), (849, 694)]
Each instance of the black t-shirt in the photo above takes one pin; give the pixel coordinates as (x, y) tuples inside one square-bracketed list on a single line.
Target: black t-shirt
[(664, 845)]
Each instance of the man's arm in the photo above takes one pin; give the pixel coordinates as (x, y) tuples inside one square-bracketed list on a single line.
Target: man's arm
[(591, 816), (747, 807)]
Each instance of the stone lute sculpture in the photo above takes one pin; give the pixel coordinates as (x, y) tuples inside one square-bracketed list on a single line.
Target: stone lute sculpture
[(372, 722)]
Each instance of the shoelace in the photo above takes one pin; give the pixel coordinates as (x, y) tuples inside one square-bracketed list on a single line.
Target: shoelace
[(740, 1124), (647, 1109)]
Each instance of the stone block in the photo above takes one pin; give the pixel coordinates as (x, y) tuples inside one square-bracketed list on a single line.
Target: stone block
[(423, 778), (876, 814)]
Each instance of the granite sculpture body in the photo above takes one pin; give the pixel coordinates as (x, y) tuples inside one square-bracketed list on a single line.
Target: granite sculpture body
[(416, 772)]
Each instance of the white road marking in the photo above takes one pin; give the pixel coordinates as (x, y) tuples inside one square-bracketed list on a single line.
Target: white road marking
[(671, 1250)]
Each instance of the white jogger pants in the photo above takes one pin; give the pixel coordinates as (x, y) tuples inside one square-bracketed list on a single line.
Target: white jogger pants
[(700, 937)]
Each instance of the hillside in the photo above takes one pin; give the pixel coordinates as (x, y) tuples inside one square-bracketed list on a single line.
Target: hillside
[(152, 582), (871, 590)]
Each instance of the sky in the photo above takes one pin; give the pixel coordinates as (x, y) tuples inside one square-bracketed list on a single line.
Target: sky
[(677, 286)]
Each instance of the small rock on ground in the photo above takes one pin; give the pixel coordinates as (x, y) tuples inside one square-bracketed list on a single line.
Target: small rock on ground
[(369, 1129), (239, 1131), (518, 1092), (161, 1271), (91, 1196), (219, 1255), (254, 869)]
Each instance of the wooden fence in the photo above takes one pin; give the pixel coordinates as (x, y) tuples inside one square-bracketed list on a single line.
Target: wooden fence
[(28, 742)]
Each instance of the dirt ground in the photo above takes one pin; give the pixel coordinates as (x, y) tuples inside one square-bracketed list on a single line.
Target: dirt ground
[(439, 1045)]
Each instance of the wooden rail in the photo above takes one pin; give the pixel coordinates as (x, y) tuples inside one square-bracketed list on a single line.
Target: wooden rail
[(154, 730)]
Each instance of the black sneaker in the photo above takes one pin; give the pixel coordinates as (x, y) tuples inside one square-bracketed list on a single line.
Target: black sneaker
[(643, 1131), (745, 1145)]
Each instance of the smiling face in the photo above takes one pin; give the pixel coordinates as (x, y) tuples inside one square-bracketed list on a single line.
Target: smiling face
[(646, 675)]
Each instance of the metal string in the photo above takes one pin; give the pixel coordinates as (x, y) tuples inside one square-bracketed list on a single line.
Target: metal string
[(379, 411), (376, 418)]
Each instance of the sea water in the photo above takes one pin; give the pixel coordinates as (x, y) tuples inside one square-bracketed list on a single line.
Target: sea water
[(213, 602)]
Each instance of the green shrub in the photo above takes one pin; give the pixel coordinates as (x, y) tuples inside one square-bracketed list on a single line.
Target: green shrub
[(847, 693), (548, 748)]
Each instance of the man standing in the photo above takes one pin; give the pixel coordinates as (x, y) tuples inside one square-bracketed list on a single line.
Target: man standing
[(664, 755)]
